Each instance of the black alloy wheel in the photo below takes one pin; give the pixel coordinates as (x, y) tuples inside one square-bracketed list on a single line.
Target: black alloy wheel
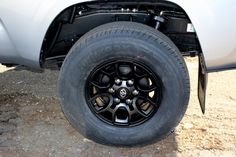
[(123, 92)]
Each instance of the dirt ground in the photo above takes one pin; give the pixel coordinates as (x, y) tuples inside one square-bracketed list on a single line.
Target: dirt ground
[(32, 124)]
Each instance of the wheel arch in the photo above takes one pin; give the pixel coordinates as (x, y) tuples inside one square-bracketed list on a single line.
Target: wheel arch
[(50, 15), (64, 6)]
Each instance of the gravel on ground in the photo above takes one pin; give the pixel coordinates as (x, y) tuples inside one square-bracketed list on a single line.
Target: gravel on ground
[(32, 124)]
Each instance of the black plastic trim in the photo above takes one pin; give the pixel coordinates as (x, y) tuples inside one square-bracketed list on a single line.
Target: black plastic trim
[(202, 82)]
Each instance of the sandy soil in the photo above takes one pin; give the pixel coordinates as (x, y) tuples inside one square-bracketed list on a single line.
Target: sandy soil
[(32, 124)]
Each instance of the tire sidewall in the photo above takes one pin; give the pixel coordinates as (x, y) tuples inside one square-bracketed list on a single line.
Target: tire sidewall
[(85, 59)]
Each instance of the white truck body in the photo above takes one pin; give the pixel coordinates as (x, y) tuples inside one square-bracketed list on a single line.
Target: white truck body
[(23, 25)]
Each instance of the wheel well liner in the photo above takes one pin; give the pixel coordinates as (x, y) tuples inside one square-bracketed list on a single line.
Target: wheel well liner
[(78, 19)]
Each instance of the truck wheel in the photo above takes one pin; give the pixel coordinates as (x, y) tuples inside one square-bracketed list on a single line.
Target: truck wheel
[(124, 84)]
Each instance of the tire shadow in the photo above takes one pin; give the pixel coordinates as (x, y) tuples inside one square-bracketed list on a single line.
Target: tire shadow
[(164, 148)]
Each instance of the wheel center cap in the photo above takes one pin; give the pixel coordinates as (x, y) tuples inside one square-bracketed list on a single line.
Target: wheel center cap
[(123, 93)]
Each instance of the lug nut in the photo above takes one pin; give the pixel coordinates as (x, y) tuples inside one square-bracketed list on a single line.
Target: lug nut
[(111, 90), (135, 92), (130, 82), (128, 101), (118, 81), (116, 100)]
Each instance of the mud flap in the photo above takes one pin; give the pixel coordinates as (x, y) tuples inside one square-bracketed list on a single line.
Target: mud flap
[(202, 82)]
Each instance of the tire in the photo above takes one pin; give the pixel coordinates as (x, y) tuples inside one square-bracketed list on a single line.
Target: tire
[(137, 43)]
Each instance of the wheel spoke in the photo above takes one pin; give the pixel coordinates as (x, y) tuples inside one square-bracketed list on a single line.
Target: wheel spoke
[(138, 77), (99, 86), (141, 113), (116, 70), (155, 104), (136, 110), (107, 73), (150, 89), (104, 109), (99, 102)]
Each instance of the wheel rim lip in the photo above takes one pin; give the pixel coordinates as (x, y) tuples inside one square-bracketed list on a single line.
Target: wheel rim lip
[(136, 63)]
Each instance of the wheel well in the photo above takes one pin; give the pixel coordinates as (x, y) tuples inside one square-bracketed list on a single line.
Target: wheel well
[(77, 20)]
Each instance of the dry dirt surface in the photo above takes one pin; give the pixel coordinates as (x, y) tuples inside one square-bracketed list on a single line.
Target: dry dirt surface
[(32, 124)]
